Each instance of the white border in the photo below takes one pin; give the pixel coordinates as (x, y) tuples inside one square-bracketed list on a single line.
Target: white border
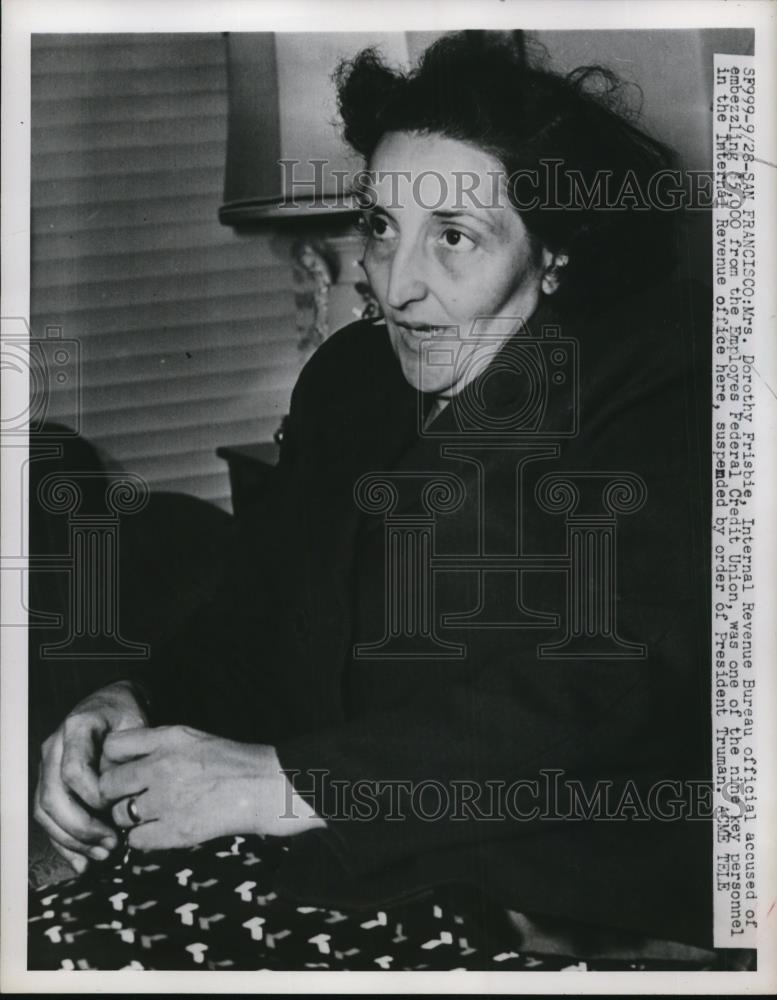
[(20, 18)]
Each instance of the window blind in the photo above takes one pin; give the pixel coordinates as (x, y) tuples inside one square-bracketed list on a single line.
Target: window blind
[(186, 330)]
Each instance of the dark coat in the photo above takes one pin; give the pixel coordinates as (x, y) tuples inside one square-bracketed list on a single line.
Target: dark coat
[(311, 579)]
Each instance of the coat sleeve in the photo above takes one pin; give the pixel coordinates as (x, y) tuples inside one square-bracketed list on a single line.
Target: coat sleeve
[(477, 761), (209, 673)]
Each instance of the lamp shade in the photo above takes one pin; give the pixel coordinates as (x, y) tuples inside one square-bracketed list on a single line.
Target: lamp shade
[(283, 147)]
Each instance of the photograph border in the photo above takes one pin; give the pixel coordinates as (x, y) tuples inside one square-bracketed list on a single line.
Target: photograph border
[(21, 18)]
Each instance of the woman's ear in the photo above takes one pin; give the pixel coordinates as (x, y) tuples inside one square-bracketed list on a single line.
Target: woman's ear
[(552, 267)]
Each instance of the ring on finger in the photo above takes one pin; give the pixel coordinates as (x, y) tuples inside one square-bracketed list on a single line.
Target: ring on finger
[(132, 811)]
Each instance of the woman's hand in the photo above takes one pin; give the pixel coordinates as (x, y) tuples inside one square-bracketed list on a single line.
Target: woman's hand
[(68, 796), (187, 787)]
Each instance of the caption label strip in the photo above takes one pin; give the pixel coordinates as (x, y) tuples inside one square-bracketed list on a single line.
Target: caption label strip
[(734, 528)]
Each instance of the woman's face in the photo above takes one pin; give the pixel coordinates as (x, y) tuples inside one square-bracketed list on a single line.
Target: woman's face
[(449, 269)]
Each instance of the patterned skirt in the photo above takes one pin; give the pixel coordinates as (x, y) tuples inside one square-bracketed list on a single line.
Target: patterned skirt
[(213, 907)]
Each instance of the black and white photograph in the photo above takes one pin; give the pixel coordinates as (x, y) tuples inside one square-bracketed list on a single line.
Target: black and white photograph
[(388, 541)]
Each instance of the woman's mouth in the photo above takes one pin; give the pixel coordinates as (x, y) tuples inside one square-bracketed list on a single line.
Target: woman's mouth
[(420, 330)]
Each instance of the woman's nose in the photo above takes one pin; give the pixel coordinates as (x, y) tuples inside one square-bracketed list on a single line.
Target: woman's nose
[(406, 278)]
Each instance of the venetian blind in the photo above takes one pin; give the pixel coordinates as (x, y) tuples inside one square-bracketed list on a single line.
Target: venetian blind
[(186, 330)]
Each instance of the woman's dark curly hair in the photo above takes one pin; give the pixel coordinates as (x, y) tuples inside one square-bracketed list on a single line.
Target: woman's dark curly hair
[(478, 87)]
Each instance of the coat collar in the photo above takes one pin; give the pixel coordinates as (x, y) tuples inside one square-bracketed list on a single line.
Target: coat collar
[(387, 422), (393, 412), (500, 400)]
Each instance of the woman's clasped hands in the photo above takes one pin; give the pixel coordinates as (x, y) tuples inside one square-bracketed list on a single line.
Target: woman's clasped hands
[(174, 786), (105, 770)]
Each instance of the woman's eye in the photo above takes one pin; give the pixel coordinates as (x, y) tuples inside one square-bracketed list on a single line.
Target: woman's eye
[(375, 225), (454, 239)]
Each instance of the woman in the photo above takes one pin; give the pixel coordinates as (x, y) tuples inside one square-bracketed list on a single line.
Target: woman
[(348, 760)]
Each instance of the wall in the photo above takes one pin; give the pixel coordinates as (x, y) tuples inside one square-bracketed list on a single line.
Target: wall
[(187, 331)]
